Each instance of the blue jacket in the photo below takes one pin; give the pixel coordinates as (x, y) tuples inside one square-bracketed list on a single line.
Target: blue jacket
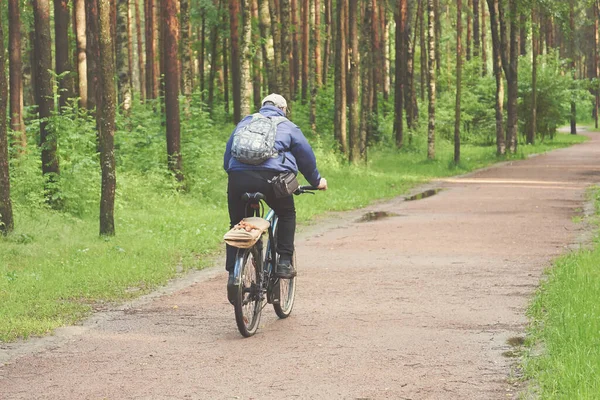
[(295, 154)]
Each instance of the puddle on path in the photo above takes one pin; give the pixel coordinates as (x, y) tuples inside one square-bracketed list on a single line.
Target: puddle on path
[(516, 341), (423, 195), (376, 215)]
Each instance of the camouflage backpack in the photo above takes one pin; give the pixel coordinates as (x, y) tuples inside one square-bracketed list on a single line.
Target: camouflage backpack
[(254, 143)]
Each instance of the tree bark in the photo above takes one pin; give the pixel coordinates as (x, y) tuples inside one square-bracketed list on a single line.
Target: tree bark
[(234, 14), (367, 62), (596, 64), (15, 67), (140, 49), (497, 69), (305, 48), (410, 101), (124, 79), (130, 64), (438, 33), (469, 32), (107, 117), (572, 56), (171, 50), (277, 46), (512, 79), (386, 47), (61, 39), (45, 94), (327, 44), (458, 79), (150, 49), (534, 50), (423, 47), (286, 45), (483, 42), (257, 56), (6, 214), (317, 48), (431, 79), (354, 82), (246, 61), (294, 67), (80, 36), (225, 76), (93, 57), (214, 41), (400, 73), (267, 45), (476, 37), (341, 70), (187, 70)]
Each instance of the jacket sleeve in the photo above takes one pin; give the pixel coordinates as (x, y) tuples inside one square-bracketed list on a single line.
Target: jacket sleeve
[(305, 157), (227, 155)]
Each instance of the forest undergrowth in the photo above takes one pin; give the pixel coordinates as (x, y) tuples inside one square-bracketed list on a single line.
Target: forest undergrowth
[(55, 269)]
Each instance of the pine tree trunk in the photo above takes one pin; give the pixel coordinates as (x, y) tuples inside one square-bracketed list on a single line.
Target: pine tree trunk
[(497, 69), (246, 61), (45, 93), (81, 41), (512, 79), (184, 51), (61, 39), (267, 45), (438, 33), (476, 37), (15, 67), (150, 49), (132, 71), (458, 80), (523, 30), (354, 82), (286, 46), (341, 70), (201, 58), (469, 32), (483, 42), (400, 73), (386, 47), (225, 76), (596, 64), (6, 214), (107, 118), (423, 47), (572, 56), (234, 14), (158, 51), (171, 50), (327, 44), (305, 48), (295, 47), (534, 50), (92, 56), (317, 47), (257, 56), (367, 62), (140, 49), (124, 79), (431, 79), (214, 41), (410, 102), (277, 46), (312, 78)]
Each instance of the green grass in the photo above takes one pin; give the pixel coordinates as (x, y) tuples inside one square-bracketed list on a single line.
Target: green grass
[(55, 269), (563, 361)]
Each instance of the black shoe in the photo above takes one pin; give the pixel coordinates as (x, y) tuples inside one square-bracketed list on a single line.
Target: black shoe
[(285, 269), (231, 289)]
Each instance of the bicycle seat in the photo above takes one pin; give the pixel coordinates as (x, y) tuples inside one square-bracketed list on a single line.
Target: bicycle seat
[(253, 197)]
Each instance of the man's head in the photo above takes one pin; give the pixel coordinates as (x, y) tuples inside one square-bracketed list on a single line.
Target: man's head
[(276, 100)]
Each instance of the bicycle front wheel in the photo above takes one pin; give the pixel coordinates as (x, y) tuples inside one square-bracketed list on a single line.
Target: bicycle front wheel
[(248, 304), (287, 294)]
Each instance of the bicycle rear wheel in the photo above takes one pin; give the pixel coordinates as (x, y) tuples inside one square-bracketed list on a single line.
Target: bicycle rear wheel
[(248, 304), (287, 294)]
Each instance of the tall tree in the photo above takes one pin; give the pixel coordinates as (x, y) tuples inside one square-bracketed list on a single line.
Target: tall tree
[(277, 46), (572, 57), (256, 55), (6, 214), (234, 34), (246, 60), (80, 39), (534, 51), (45, 96), (151, 78), (431, 11), (341, 70), (61, 39), (497, 68), (214, 42), (469, 31), (92, 54), (267, 45), (410, 100), (107, 118), (317, 47), (170, 50), (400, 17), (596, 62), (15, 67), (305, 48), (483, 42), (140, 52), (512, 78), (286, 51), (367, 62), (294, 67), (354, 82), (122, 58), (327, 44), (184, 51), (423, 48), (476, 37), (458, 81)]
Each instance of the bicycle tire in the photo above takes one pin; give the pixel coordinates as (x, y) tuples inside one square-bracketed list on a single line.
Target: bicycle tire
[(287, 294), (248, 304)]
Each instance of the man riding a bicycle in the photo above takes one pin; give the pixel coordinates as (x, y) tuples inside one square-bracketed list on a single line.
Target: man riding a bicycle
[(289, 152)]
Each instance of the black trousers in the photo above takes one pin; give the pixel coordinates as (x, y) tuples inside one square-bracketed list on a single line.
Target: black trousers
[(241, 182)]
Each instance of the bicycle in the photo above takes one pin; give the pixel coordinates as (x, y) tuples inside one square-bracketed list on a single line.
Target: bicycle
[(254, 272)]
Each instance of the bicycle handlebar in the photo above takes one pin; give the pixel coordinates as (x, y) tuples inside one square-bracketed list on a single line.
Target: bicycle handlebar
[(306, 189)]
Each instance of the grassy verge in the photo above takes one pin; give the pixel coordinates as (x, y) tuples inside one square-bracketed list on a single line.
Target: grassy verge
[(565, 326), (54, 269)]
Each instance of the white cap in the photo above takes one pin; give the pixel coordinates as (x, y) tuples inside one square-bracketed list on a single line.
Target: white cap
[(276, 99)]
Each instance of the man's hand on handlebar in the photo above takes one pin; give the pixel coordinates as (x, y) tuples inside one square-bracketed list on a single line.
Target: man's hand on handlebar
[(322, 184)]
